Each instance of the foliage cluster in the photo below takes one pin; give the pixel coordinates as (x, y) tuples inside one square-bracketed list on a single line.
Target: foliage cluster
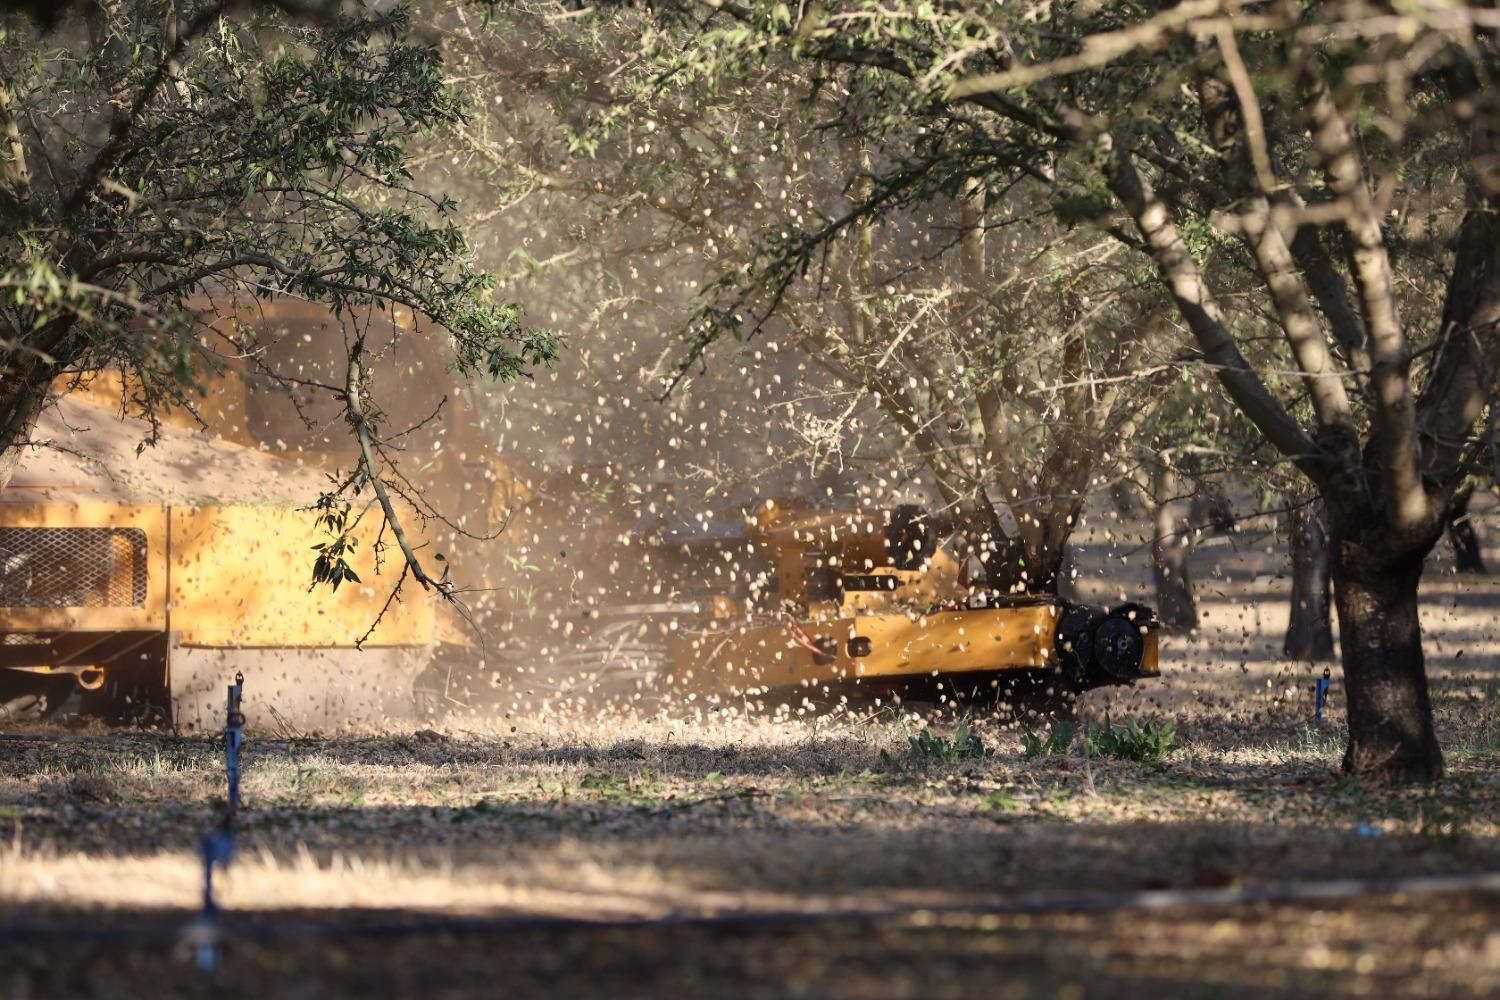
[(1149, 741), (927, 748), (967, 347), (1056, 742)]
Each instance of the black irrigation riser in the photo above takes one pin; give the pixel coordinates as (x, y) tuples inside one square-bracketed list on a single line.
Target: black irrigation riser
[(205, 935)]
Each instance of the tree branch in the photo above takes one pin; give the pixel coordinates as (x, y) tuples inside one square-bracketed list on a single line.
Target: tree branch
[(1328, 287), (1395, 427), (15, 175), (1198, 307), (1324, 380), (358, 419), (1463, 377), (123, 126)]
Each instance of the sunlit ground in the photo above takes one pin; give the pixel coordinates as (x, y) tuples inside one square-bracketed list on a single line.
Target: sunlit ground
[(630, 818)]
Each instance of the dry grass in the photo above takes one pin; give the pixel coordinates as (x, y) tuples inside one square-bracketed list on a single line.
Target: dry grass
[(624, 816), (631, 814)]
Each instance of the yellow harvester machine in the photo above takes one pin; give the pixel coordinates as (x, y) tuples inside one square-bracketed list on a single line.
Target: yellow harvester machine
[(147, 581), (793, 604), (838, 600)]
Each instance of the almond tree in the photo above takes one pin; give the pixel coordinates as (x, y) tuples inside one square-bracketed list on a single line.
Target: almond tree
[(1318, 144), (1309, 630), (979, 337), (160, 154), (1468, 551)]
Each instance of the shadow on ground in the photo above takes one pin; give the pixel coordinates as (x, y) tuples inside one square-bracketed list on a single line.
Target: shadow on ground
[(1437, 947)]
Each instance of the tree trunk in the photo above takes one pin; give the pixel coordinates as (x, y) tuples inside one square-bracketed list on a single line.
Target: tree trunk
[(1468, 554), (982, 539), (21, 402), (1031, 561), (1309, 631), (1044, 568), (1006, 568), (1391, 737), (1011, 564), (1124, 499), (1170, 550)]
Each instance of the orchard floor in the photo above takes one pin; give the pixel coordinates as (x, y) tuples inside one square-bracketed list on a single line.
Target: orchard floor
[(794, 856)]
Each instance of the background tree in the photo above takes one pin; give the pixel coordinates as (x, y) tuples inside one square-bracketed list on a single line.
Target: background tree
[(1309, 630), (1303, 135), (1468, 552), (976, 339), (161, 155), (1171, 548), (1192, 455)]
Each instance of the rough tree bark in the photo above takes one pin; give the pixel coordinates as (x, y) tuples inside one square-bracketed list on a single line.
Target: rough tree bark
[(1171, 548), (1041, 567), (1468, 553), (1309, 632), (1391, 734), (21, 401)]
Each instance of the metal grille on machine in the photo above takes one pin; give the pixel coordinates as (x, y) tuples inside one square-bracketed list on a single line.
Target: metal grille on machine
[(72, 567)]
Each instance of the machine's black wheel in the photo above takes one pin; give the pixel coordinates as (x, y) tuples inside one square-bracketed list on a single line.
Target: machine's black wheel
[(1074, 642), (1119, 648)]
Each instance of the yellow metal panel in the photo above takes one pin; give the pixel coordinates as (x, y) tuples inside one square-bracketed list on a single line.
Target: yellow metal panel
[(240, 577), (938, 582), (769, 656), (150, 520)]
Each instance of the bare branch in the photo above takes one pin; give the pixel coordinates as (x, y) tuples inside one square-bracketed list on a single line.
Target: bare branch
[(15, 175), (359, 420), (1406, 506), (1332, 293), (1198, 307), (1289, 297)]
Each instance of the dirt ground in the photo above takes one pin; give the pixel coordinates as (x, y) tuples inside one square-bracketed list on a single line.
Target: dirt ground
[(624, 856)]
